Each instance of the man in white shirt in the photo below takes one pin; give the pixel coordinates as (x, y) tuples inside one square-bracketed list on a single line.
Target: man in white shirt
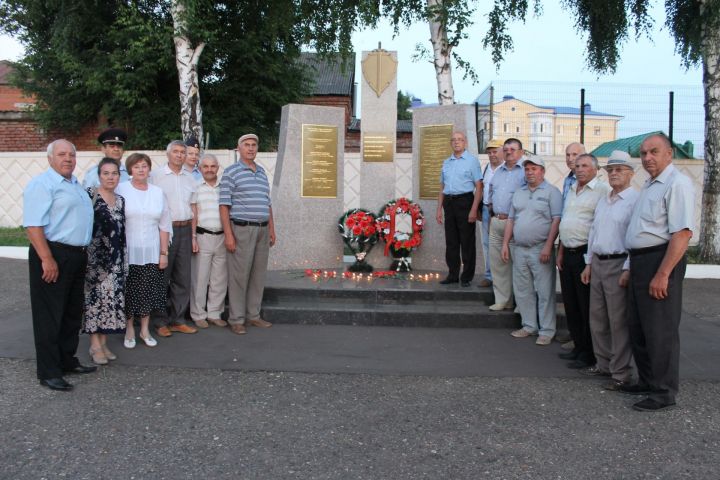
[(607, 273), (179, 187), (578, 214), (494, 153), (209, 262)]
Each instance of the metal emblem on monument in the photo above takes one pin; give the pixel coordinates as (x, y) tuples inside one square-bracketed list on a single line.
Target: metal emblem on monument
[(379, 69)]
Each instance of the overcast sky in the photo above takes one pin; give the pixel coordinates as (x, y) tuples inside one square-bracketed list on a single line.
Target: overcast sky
[(546, 49)]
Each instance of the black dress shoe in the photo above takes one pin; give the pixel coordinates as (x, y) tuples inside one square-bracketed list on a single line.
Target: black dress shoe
[(569, 355), (578, 364), (465, 284), (635, 389), (58, 383), (448, 281), (79, 369), (651, 405)]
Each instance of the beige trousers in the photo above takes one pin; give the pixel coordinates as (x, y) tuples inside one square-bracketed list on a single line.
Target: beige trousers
[(210, 278), (501, 272), (246, 273)]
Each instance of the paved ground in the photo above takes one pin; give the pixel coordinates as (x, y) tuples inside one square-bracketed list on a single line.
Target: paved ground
[(350, 403)]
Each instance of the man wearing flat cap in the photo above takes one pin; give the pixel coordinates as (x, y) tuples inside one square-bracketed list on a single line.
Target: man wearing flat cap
[(606, 272), (112, 145), (494, 153), (533, 223), (247, 220), (192, 158)]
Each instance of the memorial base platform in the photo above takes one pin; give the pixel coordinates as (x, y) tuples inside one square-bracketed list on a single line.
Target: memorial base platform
[(292, 297)]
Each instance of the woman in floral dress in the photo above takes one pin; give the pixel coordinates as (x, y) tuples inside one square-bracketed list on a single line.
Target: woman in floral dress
[(107, 265)]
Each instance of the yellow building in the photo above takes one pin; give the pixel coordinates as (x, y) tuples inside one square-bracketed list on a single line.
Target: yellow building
[(545, 130)]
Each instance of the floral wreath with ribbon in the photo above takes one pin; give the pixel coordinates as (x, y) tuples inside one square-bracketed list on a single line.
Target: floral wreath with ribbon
[(358, 229), (401, 242)]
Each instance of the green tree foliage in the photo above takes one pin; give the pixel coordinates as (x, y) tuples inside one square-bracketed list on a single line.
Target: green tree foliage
[(404, 101), (114, 60)]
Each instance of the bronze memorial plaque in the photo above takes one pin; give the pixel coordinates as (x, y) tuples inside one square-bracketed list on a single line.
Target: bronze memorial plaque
[(378, 147), (434, 149), (319, 161)]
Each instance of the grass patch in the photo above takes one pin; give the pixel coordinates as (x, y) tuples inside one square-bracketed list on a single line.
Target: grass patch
[(693, 255), (13, 237)]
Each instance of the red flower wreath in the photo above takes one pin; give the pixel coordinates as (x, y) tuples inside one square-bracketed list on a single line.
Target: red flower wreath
[(400, 243)]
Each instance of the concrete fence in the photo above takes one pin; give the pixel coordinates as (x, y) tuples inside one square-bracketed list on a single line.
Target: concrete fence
[(17, 168)]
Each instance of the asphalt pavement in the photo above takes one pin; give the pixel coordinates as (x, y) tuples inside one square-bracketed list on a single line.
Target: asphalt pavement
[(346, 402)]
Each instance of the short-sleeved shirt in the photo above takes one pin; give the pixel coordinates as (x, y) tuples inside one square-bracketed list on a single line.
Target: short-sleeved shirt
[(666, 205), (146, 214), (533, 212), (488, 174), (504, 183), (579, 211), (178, 188), (61, 206), (612, 215), (206, 199), (91, 179), (459, 174), (246, 192)]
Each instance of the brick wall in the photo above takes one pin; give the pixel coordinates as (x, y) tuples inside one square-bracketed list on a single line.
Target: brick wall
[(24, 135), (333, 101)]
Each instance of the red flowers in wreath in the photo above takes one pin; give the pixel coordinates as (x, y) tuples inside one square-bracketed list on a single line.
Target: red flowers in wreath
[(400, 225), (361, 224)]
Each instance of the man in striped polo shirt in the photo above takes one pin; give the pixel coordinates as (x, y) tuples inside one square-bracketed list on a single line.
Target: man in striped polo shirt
[(247, 220)]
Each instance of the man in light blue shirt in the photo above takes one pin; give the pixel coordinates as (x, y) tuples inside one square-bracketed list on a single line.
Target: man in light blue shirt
[(459, 199), (507, 178), (58, 217)]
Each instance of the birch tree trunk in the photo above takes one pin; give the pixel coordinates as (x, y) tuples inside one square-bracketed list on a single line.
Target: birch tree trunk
[(186, 61), (709, 238), (441, 53)]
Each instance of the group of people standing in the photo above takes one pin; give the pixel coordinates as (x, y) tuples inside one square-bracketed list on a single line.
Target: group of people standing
[(130, 247), (620, 254)]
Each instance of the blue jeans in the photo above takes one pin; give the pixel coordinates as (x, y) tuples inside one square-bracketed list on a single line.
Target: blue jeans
[(486, 240)]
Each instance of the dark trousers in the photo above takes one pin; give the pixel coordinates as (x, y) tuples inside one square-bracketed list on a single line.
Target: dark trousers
[(576, 297), (654, 325), (459, 236), (57, 310), (177, 278)]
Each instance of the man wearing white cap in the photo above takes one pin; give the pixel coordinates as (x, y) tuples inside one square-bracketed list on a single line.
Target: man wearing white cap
[(494, 153), (606, 271), (247, 220), (533, 225)]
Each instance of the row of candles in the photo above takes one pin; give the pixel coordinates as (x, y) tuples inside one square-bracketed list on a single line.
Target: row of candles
[(317, 275)]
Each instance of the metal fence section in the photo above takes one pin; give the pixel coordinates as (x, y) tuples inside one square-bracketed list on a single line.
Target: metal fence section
[(547, 116)]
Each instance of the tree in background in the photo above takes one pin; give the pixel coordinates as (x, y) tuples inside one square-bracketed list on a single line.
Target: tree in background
[(114, 61), (695, 25), (404, 102)]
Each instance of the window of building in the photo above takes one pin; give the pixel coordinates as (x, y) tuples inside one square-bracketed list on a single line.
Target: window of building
[(542, 128), (560, 129), (517, 129), (506, 127), (596, 131)]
